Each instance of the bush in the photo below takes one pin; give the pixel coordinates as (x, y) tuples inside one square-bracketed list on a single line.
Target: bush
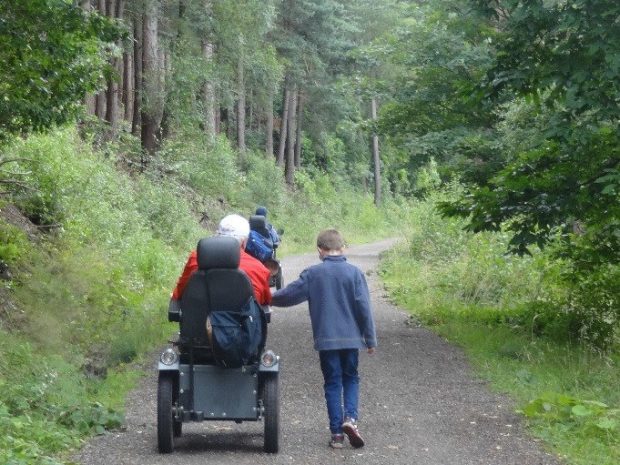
[(459, 274), (444, 270), (118, 244)]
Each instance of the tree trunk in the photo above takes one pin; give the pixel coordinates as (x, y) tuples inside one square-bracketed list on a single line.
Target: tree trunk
[(209, 93), (250, 111), (165, 121), (240, 101), (182, 9), (298, 141), (115, 10), (283, 124), (376, 160), (230, 120), (211, 111), (289, 173), (151, 74), (128, 84), (136, 123), (89, 99), (100, 99), (269, 129)]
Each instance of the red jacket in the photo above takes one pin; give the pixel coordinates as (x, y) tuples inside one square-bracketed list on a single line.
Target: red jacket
[(256, 271)]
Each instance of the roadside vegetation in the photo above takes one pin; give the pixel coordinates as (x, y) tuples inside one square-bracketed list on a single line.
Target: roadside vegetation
[(515, 319)]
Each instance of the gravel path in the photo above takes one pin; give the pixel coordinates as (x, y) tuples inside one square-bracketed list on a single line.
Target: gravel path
[(420, 403)]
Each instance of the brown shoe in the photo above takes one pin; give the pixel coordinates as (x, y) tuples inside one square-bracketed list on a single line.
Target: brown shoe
[(350, 429), (337, 441)]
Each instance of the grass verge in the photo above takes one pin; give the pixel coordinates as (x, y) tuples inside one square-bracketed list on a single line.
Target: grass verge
[(501, 311)]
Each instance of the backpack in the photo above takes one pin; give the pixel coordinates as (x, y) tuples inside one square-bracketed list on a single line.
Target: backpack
[(259, 246), (237, 338)]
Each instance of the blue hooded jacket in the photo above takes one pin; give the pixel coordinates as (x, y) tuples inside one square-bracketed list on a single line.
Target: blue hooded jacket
[(339, 304)]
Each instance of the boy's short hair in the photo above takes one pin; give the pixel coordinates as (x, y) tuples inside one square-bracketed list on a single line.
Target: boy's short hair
[(330, 239)]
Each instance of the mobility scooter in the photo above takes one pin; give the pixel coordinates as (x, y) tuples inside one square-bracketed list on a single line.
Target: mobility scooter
[(262, 247), (218, 368)]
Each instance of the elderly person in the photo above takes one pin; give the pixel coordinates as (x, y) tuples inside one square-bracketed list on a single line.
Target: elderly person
[(238, 227)]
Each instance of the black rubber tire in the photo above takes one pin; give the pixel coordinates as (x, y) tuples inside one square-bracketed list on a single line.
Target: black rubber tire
[(271, 402), (165, 420)]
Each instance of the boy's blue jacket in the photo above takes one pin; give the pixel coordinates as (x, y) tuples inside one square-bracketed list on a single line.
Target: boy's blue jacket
[(339, 303)]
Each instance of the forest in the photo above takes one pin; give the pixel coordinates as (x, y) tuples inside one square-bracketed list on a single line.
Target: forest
[(485, 134)]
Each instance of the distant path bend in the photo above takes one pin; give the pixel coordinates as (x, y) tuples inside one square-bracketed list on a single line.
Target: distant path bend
[(420, 403)]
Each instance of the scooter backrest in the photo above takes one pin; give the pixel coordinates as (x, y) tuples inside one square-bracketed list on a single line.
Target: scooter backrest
[(217, 285), (258, 223), (220, 252)]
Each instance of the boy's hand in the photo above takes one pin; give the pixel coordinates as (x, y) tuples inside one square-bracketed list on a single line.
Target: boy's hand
[(371, 350)]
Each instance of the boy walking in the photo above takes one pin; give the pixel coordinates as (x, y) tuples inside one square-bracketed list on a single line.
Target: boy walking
[(342, 324)]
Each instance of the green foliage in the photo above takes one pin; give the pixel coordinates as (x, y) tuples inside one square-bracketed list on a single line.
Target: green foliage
[(568, 174), (457, 270), (517, 319), (13, 243), (52, 54), (94, 418), (211, 171), (571, 49), (131, 234), (576, 413), (44, 405)]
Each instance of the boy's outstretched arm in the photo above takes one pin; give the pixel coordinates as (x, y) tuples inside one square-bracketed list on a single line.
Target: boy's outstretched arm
[(293, 294)]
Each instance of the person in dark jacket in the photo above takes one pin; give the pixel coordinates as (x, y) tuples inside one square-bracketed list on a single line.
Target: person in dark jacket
[(273, 234), (342, 324)]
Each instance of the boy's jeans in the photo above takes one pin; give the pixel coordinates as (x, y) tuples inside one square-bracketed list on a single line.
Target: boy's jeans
[(339, 369)]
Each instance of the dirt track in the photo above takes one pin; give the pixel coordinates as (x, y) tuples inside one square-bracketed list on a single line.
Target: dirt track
[(420, 403)]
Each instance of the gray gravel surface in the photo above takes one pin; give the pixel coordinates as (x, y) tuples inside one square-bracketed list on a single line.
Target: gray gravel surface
[(420, 403)]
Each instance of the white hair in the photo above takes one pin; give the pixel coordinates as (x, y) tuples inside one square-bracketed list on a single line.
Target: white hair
[(234, 226)]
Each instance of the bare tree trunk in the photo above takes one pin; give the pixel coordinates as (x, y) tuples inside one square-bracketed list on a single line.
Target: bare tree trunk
[(269, 129), (298, 141), (136, 123), (115, 10), (151, 74), (283, 125), (250, 110), (89, 99), (209, 93), (289, 172), (128, 84), (100, 98), (112, 89), (164, 114), (240, 101), (376, 160), (230, 127)]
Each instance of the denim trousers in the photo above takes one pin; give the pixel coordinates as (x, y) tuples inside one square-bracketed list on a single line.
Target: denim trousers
[(341, 386)]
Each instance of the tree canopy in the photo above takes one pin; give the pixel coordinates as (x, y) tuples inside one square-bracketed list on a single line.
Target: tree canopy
[(52, 54)]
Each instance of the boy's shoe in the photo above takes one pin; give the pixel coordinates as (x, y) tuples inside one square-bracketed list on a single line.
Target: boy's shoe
[(350, 429), (337, 441)]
